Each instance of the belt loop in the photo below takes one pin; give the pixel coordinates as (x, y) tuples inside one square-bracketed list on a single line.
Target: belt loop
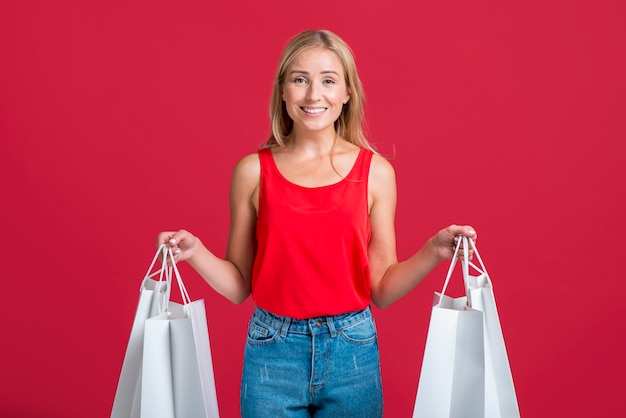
[(285, 326), (331, 326)]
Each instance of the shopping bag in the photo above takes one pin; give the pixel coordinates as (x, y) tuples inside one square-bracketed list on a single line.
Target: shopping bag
[(177, 373), (500, 396), (152, 294), (452, 379), (176, 377)]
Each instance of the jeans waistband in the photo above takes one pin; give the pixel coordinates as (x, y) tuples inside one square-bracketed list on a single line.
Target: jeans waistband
[(330, 323)]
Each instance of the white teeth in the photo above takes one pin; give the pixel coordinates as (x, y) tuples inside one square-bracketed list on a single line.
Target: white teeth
[(313, 111)]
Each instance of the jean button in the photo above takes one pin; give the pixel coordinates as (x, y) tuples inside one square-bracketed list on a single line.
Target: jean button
[(318, 324)]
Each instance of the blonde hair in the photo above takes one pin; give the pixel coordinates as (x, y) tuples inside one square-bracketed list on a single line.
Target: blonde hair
[(349, 125)]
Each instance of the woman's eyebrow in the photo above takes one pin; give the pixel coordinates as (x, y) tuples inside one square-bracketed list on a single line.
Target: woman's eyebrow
[(307, 73)]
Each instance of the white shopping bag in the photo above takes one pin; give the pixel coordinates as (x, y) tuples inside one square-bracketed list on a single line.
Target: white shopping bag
[(445, 379), (176, 377), (185, 388), (152, 295), (500, 397), (452, 380)]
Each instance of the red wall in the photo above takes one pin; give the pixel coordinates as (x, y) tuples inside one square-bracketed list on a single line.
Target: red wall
[(122, 118)]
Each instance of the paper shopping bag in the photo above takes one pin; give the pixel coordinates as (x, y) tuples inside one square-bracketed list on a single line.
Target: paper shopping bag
[(170, 370), (177, 377), (127, 400), (177, 372), (500, 397), (451, 383), (452, 379)]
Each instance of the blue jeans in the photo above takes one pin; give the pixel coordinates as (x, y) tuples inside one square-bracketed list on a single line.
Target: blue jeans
[(324, 367)]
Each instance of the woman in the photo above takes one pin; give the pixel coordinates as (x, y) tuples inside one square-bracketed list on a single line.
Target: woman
[(312, 239)]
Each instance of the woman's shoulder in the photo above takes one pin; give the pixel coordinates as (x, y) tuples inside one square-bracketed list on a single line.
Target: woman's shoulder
[(249, 161), (248, 168), (380, 167), (382, 176)]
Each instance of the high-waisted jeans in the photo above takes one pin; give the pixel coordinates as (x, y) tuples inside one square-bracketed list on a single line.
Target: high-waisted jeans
[(324, 367)]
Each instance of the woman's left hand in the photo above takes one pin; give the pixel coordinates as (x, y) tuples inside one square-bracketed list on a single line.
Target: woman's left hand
[(444, 241)]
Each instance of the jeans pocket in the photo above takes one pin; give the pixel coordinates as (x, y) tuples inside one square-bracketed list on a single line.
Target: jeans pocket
[(361, 333), (260, 333)]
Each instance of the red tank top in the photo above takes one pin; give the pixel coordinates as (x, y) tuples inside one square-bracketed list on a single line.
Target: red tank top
[(312, 243)]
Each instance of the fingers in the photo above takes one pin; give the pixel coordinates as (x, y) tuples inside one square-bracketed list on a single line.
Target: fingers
[(178, 241), (457, 232), (164, 237), (466, 230)]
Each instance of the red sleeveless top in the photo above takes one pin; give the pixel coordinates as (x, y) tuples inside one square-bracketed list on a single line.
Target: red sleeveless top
[(311, 257)]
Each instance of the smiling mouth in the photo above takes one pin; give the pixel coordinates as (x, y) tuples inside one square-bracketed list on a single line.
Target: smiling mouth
[(313, 111)]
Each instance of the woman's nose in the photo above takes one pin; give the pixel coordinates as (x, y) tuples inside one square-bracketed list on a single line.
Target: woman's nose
[(313, 92)]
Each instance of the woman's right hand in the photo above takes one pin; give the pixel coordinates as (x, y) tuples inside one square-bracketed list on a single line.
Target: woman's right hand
[(181, 242)]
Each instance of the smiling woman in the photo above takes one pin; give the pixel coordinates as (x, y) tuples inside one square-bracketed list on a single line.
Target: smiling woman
[(349, 122), (314, 92), (312, 239)]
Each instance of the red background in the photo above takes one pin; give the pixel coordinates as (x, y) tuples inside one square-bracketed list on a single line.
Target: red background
[(122, 118)]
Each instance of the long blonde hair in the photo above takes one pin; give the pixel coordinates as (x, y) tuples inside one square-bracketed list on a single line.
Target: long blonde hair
[(349, 125)]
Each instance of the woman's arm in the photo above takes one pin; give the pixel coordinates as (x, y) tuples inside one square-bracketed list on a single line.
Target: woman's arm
[(390, 279), (231, 277)]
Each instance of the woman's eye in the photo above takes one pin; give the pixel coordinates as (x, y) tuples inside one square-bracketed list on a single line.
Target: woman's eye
[(299, 80), (329, 81)]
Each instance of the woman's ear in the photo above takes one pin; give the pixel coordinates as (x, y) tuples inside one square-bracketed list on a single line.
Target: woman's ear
[(347, 98)]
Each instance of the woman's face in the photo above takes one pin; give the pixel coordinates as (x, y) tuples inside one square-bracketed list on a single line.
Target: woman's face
[(315, 90)]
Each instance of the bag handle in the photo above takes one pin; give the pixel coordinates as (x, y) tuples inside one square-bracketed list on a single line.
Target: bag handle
[(149, 275), (179, 279), (482, 268), (169, 272), (162, 273), (166, 274), (465, 269), (450, 269), (465, 265)]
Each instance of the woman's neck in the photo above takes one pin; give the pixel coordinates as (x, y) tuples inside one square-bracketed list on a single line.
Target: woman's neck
[(313, 143)]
